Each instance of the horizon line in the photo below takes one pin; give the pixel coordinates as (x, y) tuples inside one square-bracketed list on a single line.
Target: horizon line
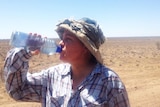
[(113, 37)]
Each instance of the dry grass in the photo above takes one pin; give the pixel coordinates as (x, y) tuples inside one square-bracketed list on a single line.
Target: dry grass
[(136, 60)]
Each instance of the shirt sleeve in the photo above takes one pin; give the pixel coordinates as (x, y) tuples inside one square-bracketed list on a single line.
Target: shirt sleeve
[(20, 84), (117, 95), (119, 100)]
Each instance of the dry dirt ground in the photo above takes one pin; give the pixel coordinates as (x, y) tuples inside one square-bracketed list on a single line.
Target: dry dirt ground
[(136, 60)]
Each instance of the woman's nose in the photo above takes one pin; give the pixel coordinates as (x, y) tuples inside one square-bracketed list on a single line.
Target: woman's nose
[(61, 43)]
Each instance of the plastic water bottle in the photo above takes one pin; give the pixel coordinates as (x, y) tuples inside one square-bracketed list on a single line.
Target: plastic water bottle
[(32, 42)]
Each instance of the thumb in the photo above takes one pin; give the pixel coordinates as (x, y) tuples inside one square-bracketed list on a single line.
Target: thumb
[(35, 52)]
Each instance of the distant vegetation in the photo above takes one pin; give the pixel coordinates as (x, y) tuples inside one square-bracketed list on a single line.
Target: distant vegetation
[(158, 45)]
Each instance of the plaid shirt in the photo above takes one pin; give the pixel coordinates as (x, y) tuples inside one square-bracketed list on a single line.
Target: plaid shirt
[(53, 87)]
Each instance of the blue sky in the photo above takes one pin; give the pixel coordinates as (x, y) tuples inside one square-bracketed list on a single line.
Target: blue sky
[(117, 18)]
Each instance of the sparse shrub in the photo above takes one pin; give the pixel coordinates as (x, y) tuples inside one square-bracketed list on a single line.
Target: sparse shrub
[(1, 75), (158, 45)]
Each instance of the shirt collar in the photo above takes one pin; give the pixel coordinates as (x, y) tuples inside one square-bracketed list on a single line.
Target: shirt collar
[(97, 69)]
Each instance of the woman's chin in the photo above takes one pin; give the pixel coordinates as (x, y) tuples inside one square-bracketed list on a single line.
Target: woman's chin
[(62, 58)]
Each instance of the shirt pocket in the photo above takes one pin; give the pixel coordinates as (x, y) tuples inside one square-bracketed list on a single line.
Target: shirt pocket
[(57, 101), (92, 99)]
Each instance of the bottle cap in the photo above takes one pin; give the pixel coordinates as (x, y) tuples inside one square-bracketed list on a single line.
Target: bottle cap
[(59, 49)]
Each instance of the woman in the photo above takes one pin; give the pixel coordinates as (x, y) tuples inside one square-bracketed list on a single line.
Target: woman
[(82, 81)]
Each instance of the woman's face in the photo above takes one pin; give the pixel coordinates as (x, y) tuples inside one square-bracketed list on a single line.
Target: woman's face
[(72, 48)]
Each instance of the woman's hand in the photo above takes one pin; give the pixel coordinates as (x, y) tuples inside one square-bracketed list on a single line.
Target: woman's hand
[(34, 42), (35, 52)]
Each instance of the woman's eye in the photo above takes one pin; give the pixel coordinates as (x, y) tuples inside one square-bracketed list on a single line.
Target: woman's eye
[(67, 40)]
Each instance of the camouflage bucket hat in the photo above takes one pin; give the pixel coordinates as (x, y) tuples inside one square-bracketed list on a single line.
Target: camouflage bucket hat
[(87, 31)]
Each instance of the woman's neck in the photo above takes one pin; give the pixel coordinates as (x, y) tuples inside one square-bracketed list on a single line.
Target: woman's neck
[(80, 72)]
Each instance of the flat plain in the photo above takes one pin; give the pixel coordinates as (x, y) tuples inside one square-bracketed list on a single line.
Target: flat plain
[(136, 60)]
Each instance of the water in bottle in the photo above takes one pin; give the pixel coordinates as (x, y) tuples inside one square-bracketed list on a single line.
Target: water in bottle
[(31, 42)]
